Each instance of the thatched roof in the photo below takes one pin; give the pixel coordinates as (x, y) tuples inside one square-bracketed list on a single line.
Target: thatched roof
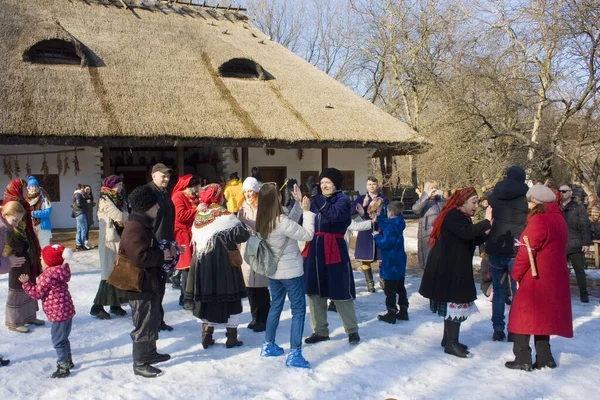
[(159, 74)]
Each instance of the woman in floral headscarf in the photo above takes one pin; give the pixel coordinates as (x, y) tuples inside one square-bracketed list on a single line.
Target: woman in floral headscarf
[(216, 285), (22, 242), (112, 214), (185, 199), (448, 277)]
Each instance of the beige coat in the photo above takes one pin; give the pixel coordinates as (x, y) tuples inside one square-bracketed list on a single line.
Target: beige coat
[(247, 215), (108, 239)]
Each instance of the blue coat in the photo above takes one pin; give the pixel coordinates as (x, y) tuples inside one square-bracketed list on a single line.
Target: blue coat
[(391, 243), (366, 249), (43, 215), (335, 281)]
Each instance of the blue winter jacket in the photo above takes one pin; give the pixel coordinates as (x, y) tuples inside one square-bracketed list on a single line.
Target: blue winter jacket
[(391, 243), (43, 215)]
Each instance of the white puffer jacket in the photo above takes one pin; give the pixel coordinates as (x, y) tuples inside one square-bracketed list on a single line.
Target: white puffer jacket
[(291, 263)]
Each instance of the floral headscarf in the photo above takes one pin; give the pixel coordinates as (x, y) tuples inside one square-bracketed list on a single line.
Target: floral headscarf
[(210, 199), (455, 201)]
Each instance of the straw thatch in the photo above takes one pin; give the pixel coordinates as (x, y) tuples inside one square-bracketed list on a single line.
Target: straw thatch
[(153, 74)]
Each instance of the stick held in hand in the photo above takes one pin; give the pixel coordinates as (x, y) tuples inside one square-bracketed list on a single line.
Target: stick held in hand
[(531, 259)]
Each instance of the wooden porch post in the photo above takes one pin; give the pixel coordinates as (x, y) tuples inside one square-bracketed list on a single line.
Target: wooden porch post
[(105, 161), (180, 166), (324, 158), (245, 163), (387, 189)]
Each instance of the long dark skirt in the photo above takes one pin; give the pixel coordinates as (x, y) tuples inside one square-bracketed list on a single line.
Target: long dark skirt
[(107, 295)]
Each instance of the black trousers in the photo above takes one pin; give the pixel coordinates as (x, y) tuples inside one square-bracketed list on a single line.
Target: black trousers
[(260, 303), (578, 262), (522, 351), (162, 281), (146, 319), (391, 289)]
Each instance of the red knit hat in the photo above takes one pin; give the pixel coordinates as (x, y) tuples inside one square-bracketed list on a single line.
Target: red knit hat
[(56, 254)]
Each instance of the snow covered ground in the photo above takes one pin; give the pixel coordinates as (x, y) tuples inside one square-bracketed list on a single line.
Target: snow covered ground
[(402, 361)]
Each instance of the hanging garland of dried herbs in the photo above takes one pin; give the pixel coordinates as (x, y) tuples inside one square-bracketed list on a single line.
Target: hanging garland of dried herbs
[(7, 167), (59, 163), (66, 166), (45, 168), (28, 167), (17, 167), (76, 163), (300, 154), (236, 155)]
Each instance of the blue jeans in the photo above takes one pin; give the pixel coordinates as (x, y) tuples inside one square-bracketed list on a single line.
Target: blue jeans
[(295, 290), (498, 267), (60, 339), (82, 228)]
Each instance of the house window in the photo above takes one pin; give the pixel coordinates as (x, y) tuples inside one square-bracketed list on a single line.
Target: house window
[(53, 51), (348, 182), (242, 68)]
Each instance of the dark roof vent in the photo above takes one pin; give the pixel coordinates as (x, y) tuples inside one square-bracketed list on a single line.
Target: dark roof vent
[(53, 51), (243, 68)]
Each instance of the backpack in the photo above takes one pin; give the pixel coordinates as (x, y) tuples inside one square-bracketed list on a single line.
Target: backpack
[(260, 257)]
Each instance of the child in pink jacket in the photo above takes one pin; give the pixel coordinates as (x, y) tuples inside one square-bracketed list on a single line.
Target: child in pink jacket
[(53, 290)]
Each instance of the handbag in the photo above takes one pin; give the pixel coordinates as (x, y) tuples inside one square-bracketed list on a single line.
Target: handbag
[(125, 275), (235, 257)]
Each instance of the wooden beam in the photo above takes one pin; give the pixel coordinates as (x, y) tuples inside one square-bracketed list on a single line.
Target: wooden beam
[(106, 161), (180, 166), (245, 163), (324, 159)]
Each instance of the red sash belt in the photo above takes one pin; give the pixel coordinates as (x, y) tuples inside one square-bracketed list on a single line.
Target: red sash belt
[(332, 250)]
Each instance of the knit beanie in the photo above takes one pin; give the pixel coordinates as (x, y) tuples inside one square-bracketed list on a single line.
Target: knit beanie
[(251, 183), (142, 199), (540, 194), (334, 175), (32, 182), (56, 254), (515, 173)]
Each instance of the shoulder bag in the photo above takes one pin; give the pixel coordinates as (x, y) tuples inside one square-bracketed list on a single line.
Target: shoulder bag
[(125, 275), (235, 257)]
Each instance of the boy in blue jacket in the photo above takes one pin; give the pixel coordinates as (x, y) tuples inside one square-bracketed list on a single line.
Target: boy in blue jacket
[(390, 239)]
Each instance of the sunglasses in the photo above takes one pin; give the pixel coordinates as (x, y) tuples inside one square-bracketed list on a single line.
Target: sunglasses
[(564, 191)]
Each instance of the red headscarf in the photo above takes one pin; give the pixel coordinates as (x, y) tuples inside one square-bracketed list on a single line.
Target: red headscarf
[(455, 201), (14, 192), (182, 183), (211, 193)]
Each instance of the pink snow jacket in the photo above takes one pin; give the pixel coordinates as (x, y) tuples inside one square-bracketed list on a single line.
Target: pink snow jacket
[(53, 290)]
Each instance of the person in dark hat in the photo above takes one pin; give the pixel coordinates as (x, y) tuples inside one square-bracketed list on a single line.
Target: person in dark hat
[(327, 268), (140, 245), (164, 223), (509, 211)]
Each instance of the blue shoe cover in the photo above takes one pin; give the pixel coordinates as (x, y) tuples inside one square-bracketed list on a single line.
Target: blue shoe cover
[(295, 359), (270, 349)]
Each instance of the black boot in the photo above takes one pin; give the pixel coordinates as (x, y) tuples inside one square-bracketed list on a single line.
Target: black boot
[(369, 279), (62, 371), (98, 311), (141, 366), (402, 315), (165, 327), (331, 306), (543, 354), (232, 340), (207, 335), (444, 339), (315, 338), (69, 362), (117, 310), (4, 362), (263, 298), (146, 370), (154, 357), (389, 317), (253, 301), (452, 345), (522, 353)]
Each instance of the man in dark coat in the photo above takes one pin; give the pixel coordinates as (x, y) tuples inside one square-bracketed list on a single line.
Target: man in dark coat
[(327, 268), (366, 250), (164, 224), (427, 208), (509, 212), (580, 235)]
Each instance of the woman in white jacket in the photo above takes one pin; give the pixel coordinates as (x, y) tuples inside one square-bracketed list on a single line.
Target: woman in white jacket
[(282, 235)]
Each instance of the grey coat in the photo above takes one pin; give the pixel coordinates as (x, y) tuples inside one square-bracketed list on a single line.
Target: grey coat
[(427, 210)]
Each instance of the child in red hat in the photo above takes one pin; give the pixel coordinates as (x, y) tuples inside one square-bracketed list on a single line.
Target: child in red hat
[(53, 290)]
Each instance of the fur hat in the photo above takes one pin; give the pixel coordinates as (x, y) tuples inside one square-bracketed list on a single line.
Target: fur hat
[(251, 183), (334, 175), (142, 199), (541, 194), (515, 173), (32, 181), (56, 254)]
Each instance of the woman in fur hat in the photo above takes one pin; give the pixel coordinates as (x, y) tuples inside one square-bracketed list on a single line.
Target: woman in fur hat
[(112, 213), (216, 285), (448, 277), (327, 269)]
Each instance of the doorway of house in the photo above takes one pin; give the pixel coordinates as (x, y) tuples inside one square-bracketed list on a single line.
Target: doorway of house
[(273, 174)]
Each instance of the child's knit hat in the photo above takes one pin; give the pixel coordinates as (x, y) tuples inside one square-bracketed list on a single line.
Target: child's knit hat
[(56, 254)]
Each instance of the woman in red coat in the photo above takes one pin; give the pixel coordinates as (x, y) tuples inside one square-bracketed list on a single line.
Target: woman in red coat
[(542, 305), (185, 200)]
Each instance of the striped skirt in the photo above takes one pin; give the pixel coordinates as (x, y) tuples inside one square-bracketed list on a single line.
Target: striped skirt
[(20, 308)]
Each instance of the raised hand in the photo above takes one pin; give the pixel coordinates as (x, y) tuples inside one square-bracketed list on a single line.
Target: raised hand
[(297, 193), (23, 278), (305, 204)]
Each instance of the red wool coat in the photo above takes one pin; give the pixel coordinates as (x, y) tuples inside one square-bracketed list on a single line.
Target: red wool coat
[(185, 212), (542, 305), (52, 288)]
